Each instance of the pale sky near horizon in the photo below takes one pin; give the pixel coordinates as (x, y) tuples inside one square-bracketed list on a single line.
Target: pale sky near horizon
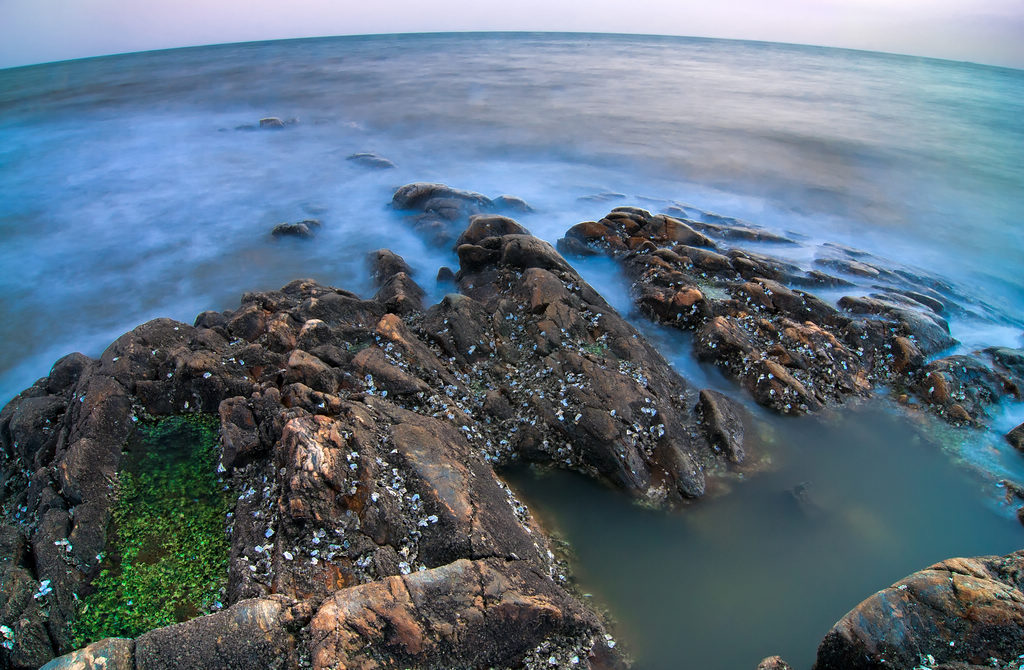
[(982, 31)]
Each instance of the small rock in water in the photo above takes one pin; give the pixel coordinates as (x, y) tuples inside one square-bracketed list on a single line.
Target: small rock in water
[(303, 229), (371, 160), (271, 122), (512, 204), (445, 275), (773, 663)]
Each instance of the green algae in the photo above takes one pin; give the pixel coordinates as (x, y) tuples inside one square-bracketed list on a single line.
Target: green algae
[(167, 556)]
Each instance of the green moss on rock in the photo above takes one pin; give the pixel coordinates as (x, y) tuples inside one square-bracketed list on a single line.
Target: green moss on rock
[(168, 546)]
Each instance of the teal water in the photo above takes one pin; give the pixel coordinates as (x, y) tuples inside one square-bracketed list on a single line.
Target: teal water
[(127, 193), (752, 572)]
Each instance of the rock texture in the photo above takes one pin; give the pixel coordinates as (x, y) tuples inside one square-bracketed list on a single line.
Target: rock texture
[(792, 350), (360, 436), (439, 212), (960, 613)]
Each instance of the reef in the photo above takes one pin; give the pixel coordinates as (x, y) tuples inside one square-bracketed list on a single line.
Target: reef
[(761, 319), (313, 478)]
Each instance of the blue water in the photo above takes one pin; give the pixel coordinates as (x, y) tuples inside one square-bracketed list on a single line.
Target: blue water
[(127, 193)]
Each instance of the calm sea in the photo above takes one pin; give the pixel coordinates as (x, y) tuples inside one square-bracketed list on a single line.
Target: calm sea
[(127, 192)]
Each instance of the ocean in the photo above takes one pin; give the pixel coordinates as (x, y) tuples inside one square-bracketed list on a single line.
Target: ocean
[(134, 186)]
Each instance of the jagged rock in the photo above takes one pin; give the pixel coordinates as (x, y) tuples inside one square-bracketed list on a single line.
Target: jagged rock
[(792, 350), (773, 663), (963, 611), (358, 437)]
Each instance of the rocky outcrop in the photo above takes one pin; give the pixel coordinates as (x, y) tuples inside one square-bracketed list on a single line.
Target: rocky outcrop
[(439, 212), (359, 438), (793, 351), (960, 613)]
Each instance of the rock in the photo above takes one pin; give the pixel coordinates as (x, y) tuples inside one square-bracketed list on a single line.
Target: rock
[(385, 264), (256, 631), (482, 227), (357, 438), (445, 275), (510, 203), (272, 123), (773, 663), (929, 331), (720, 419), (963, 610), (306, 229), (421, 194), (371, 160), (465, 614), (1016, 438), (108, 654), (791, 349), (441, 211)]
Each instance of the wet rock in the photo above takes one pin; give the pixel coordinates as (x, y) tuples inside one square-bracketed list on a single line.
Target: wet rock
[(108, 654), (271, 123), (420, 196), (440, 213), (306, 229), (464, 614), (960, 387), (510, 203), (1016, 438), (929, 331), (959, 611), (445, 275), (792, 350), (358, 438), (773, 663), (722, 423), (255, 628), (371, 160), (482, 227)]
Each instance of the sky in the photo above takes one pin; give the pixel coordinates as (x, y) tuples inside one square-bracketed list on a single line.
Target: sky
[(981, 31)]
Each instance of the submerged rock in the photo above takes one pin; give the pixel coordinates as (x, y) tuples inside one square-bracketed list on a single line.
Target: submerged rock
[(371, 160), (305, 229), (963, 612)]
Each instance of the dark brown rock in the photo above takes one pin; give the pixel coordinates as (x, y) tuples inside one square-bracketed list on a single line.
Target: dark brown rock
[(721, 419), (1016, 438), (306, 229), (963, 610), (250, 634)]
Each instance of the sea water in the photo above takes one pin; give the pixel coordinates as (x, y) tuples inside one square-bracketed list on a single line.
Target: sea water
[(134, 186)]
